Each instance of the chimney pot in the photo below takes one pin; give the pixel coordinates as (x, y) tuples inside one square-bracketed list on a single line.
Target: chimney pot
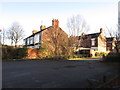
[(101, 30), (42, 27), (83, 34), (34, 31), (55, 23)]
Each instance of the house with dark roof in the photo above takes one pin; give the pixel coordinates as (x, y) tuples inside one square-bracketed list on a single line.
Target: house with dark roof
[(111, 44), (95, 42), (52, 37)]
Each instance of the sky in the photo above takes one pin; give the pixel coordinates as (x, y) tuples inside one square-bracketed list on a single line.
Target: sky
[(31, 14)]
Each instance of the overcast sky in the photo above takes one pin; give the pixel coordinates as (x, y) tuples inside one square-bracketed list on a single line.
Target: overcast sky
[(97, 13)]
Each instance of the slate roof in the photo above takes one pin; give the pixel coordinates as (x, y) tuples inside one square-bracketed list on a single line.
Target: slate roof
[(41, 31), (38, 32), (109, 39), (94, 35)]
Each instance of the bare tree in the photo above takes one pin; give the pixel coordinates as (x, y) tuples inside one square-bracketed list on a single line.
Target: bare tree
[(111, 32), (15, 33), (3, 36), (76, 25)]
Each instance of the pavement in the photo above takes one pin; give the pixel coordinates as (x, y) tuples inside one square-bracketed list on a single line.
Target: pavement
[(53, 74)]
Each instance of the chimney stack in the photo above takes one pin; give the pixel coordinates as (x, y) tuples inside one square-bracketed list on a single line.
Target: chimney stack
[(34, 31), (83, 34), (55, 23), (42, 27), (101, 30)]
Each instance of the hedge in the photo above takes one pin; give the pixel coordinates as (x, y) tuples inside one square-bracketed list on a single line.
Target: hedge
[(9, 52)]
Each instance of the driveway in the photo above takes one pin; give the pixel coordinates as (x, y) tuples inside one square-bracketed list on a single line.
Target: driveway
[(53, 74)]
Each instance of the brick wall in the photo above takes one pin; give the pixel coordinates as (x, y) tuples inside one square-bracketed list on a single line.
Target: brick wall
[(34, 53), (54, 37), (85, 42)]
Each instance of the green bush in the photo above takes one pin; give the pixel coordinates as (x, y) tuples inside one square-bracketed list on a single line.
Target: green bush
[(50, 56), (100, 54), (85, 55), (20, 53), (78, 55), (9, 52), (42, 49)]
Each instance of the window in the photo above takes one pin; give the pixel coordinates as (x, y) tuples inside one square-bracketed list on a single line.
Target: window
[(31, 40), (28, 41), (24, 42), (36, 38), (93, 41)]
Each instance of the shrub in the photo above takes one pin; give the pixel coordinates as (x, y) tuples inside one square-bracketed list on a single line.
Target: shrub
[(20, 53), (78, 55), (50, 56), (97, 54), (9, 52), (85, 55), (100, 54), (42, 49)]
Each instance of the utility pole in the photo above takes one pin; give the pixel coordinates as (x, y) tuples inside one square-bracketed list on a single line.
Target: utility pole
[(0, 36)]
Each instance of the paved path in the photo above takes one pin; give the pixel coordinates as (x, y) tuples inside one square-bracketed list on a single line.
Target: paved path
[(53, 74), (92, 58)]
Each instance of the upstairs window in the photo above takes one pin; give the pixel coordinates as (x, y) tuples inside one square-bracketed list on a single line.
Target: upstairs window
[(27, 41), (36, 38), (31, 40), (93, 41)]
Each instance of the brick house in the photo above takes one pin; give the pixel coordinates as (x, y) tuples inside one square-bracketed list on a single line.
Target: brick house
[(95, 42), (111, 44), (52, 37)]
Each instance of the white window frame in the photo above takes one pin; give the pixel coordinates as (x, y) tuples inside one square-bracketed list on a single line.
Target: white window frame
[(93, 41), (31, 40), (36, 38), (28, 42)]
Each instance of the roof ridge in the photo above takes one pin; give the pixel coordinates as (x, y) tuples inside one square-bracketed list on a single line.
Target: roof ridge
[(93, 33)]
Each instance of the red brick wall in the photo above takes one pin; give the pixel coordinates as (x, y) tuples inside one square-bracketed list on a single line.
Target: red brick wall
[(54, 35), (34, 53)]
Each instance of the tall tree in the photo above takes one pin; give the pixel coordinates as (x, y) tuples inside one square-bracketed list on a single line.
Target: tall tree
[(15, 33), (76, 25)]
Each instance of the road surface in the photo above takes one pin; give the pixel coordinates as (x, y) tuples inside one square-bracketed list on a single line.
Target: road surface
[(53, 74)]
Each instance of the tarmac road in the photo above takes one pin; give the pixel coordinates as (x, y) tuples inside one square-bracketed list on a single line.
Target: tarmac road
[(53, 74)]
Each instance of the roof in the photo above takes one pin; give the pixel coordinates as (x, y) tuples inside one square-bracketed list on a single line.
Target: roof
[(55, 23), (37, 32), (43, 30), (94, 35), (109, 39)]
